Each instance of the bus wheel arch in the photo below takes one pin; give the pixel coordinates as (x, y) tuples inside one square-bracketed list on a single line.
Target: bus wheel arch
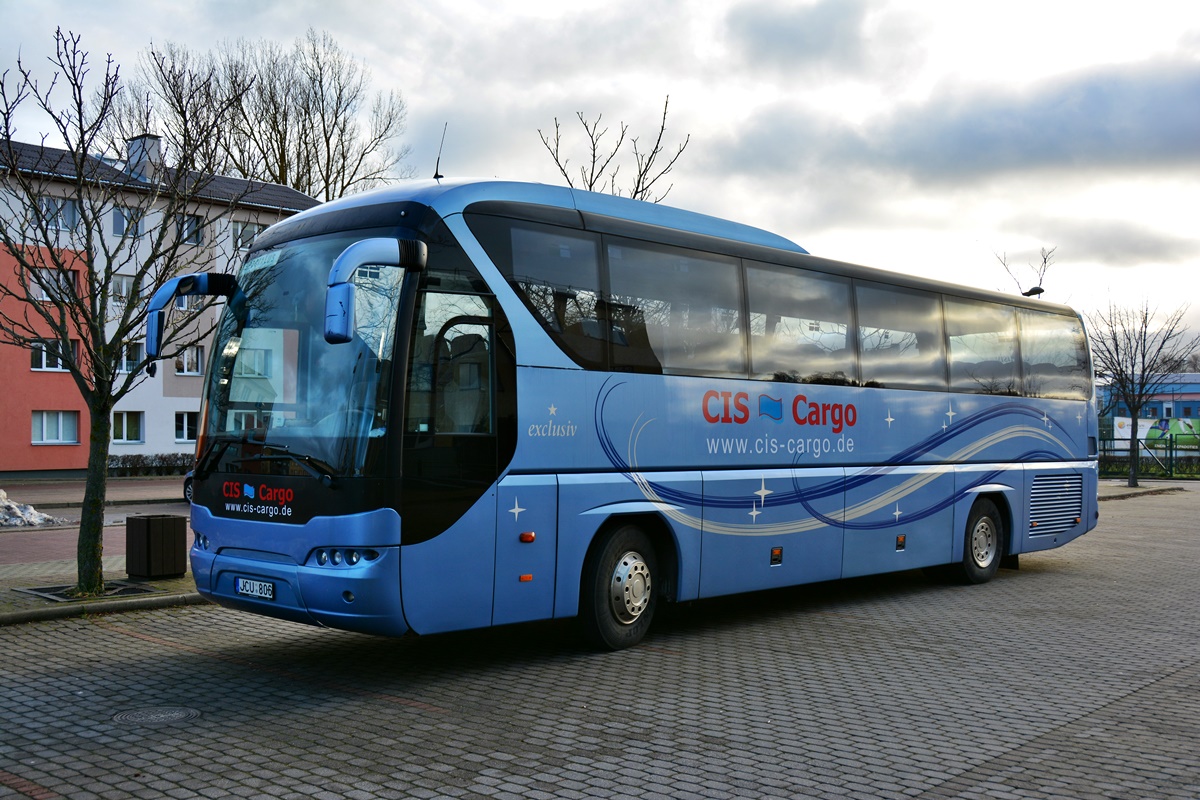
[(628, 571)]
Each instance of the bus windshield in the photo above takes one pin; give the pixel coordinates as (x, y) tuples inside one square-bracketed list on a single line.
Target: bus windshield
[(281, 400)]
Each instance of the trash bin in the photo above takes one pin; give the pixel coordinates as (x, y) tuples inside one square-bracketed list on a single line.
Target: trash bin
[(156, 546)]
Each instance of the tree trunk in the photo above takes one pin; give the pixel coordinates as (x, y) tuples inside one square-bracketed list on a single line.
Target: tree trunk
[(1135, 448), (90, 548)]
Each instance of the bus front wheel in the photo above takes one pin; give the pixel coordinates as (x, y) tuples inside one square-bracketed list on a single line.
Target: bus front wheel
[(984, 545), (618, 598)]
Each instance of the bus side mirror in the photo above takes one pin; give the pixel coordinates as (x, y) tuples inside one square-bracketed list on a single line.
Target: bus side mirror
[(208, 285), (339, 313), (339, 297)]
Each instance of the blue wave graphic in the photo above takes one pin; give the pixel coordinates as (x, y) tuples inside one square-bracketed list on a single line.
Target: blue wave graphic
[(806, 498)]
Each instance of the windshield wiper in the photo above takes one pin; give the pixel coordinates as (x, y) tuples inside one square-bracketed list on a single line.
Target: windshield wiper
[(212, 454), (314, 467)]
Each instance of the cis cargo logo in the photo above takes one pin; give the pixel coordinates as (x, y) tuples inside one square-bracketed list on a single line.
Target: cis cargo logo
[(236, 489), (735, 408)]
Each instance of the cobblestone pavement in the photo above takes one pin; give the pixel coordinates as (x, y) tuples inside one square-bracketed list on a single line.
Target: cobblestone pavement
[(1077, 676)]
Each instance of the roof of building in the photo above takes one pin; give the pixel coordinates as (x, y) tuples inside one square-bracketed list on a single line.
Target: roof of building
[(61, 164)]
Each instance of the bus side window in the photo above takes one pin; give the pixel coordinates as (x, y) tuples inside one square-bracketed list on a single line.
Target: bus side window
[(676, 310), (1054, 356), (556, 272), (983, 347), (900, 337), (799, 326)]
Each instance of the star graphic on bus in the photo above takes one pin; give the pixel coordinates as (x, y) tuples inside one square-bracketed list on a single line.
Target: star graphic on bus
[(515, 510), (763, 492)]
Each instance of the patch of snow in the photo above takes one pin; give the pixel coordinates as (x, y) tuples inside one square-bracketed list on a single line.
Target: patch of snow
[(19, 515)]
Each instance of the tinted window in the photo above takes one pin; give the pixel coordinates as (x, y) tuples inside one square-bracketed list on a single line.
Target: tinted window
[(983, 347), (557, 272), (799, 326), (900, 338), (674, 310), (1054, 355)]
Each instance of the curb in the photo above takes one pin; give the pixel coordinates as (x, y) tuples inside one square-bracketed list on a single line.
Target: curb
[(135, 502), (78, 609)]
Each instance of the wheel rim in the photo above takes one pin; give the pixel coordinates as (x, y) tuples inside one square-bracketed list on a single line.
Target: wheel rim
[(630, 588), (984, 542)]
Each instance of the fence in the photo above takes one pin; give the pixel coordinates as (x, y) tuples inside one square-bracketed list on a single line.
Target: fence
[(1166, 457)]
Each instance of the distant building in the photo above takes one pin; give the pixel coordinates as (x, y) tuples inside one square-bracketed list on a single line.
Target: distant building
[(44, 427), (1179, 396)]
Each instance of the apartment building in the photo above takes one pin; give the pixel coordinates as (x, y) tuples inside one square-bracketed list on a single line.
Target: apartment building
[(44, 425)]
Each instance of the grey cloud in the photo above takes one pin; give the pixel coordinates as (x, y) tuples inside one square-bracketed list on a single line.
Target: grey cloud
[(832, 37), (1113, 243), (1143, 117), (1147, 116)]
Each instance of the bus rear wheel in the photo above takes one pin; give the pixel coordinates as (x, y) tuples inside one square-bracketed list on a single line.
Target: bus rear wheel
[(618, 599), (983, 547)]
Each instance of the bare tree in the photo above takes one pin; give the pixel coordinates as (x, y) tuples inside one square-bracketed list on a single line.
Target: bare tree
[(305, 115), (1135, 355), (59, 215), (1039, 271), (594, 172)]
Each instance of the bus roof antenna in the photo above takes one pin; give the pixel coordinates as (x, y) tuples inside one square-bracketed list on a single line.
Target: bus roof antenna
[(437, 175)]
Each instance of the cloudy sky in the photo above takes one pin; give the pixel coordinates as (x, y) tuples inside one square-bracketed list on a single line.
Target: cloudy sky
[(920, 136)]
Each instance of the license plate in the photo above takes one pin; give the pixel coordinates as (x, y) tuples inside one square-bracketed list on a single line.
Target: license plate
[(263, 590)]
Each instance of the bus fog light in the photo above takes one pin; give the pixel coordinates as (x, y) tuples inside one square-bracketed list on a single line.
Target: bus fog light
[(352, 557), (336, 557)]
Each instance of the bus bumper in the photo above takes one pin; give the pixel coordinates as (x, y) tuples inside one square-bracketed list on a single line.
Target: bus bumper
[(363, 598), (296, 582)]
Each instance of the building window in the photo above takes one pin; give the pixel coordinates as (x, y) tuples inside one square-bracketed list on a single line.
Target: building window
[(191, 229), (253, 362), (55, 427), (190, 361), (132, 354), (244, 234), (51, 355), (123, 288), (189, 302), (250, 420), (127, 427), (60, 213), (186, 425), (127, 221), (54, 285), (1187, 411)]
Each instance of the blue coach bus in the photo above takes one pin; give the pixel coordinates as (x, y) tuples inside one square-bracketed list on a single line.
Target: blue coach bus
[(449, 405)]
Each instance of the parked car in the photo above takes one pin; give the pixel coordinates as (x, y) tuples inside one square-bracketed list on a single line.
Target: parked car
[(187, 486)]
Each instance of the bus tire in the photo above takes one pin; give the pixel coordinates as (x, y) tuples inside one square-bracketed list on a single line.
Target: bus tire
[(983, 547), (618, 600)]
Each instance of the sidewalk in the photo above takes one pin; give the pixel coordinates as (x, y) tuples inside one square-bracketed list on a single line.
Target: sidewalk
[(44, 556)]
